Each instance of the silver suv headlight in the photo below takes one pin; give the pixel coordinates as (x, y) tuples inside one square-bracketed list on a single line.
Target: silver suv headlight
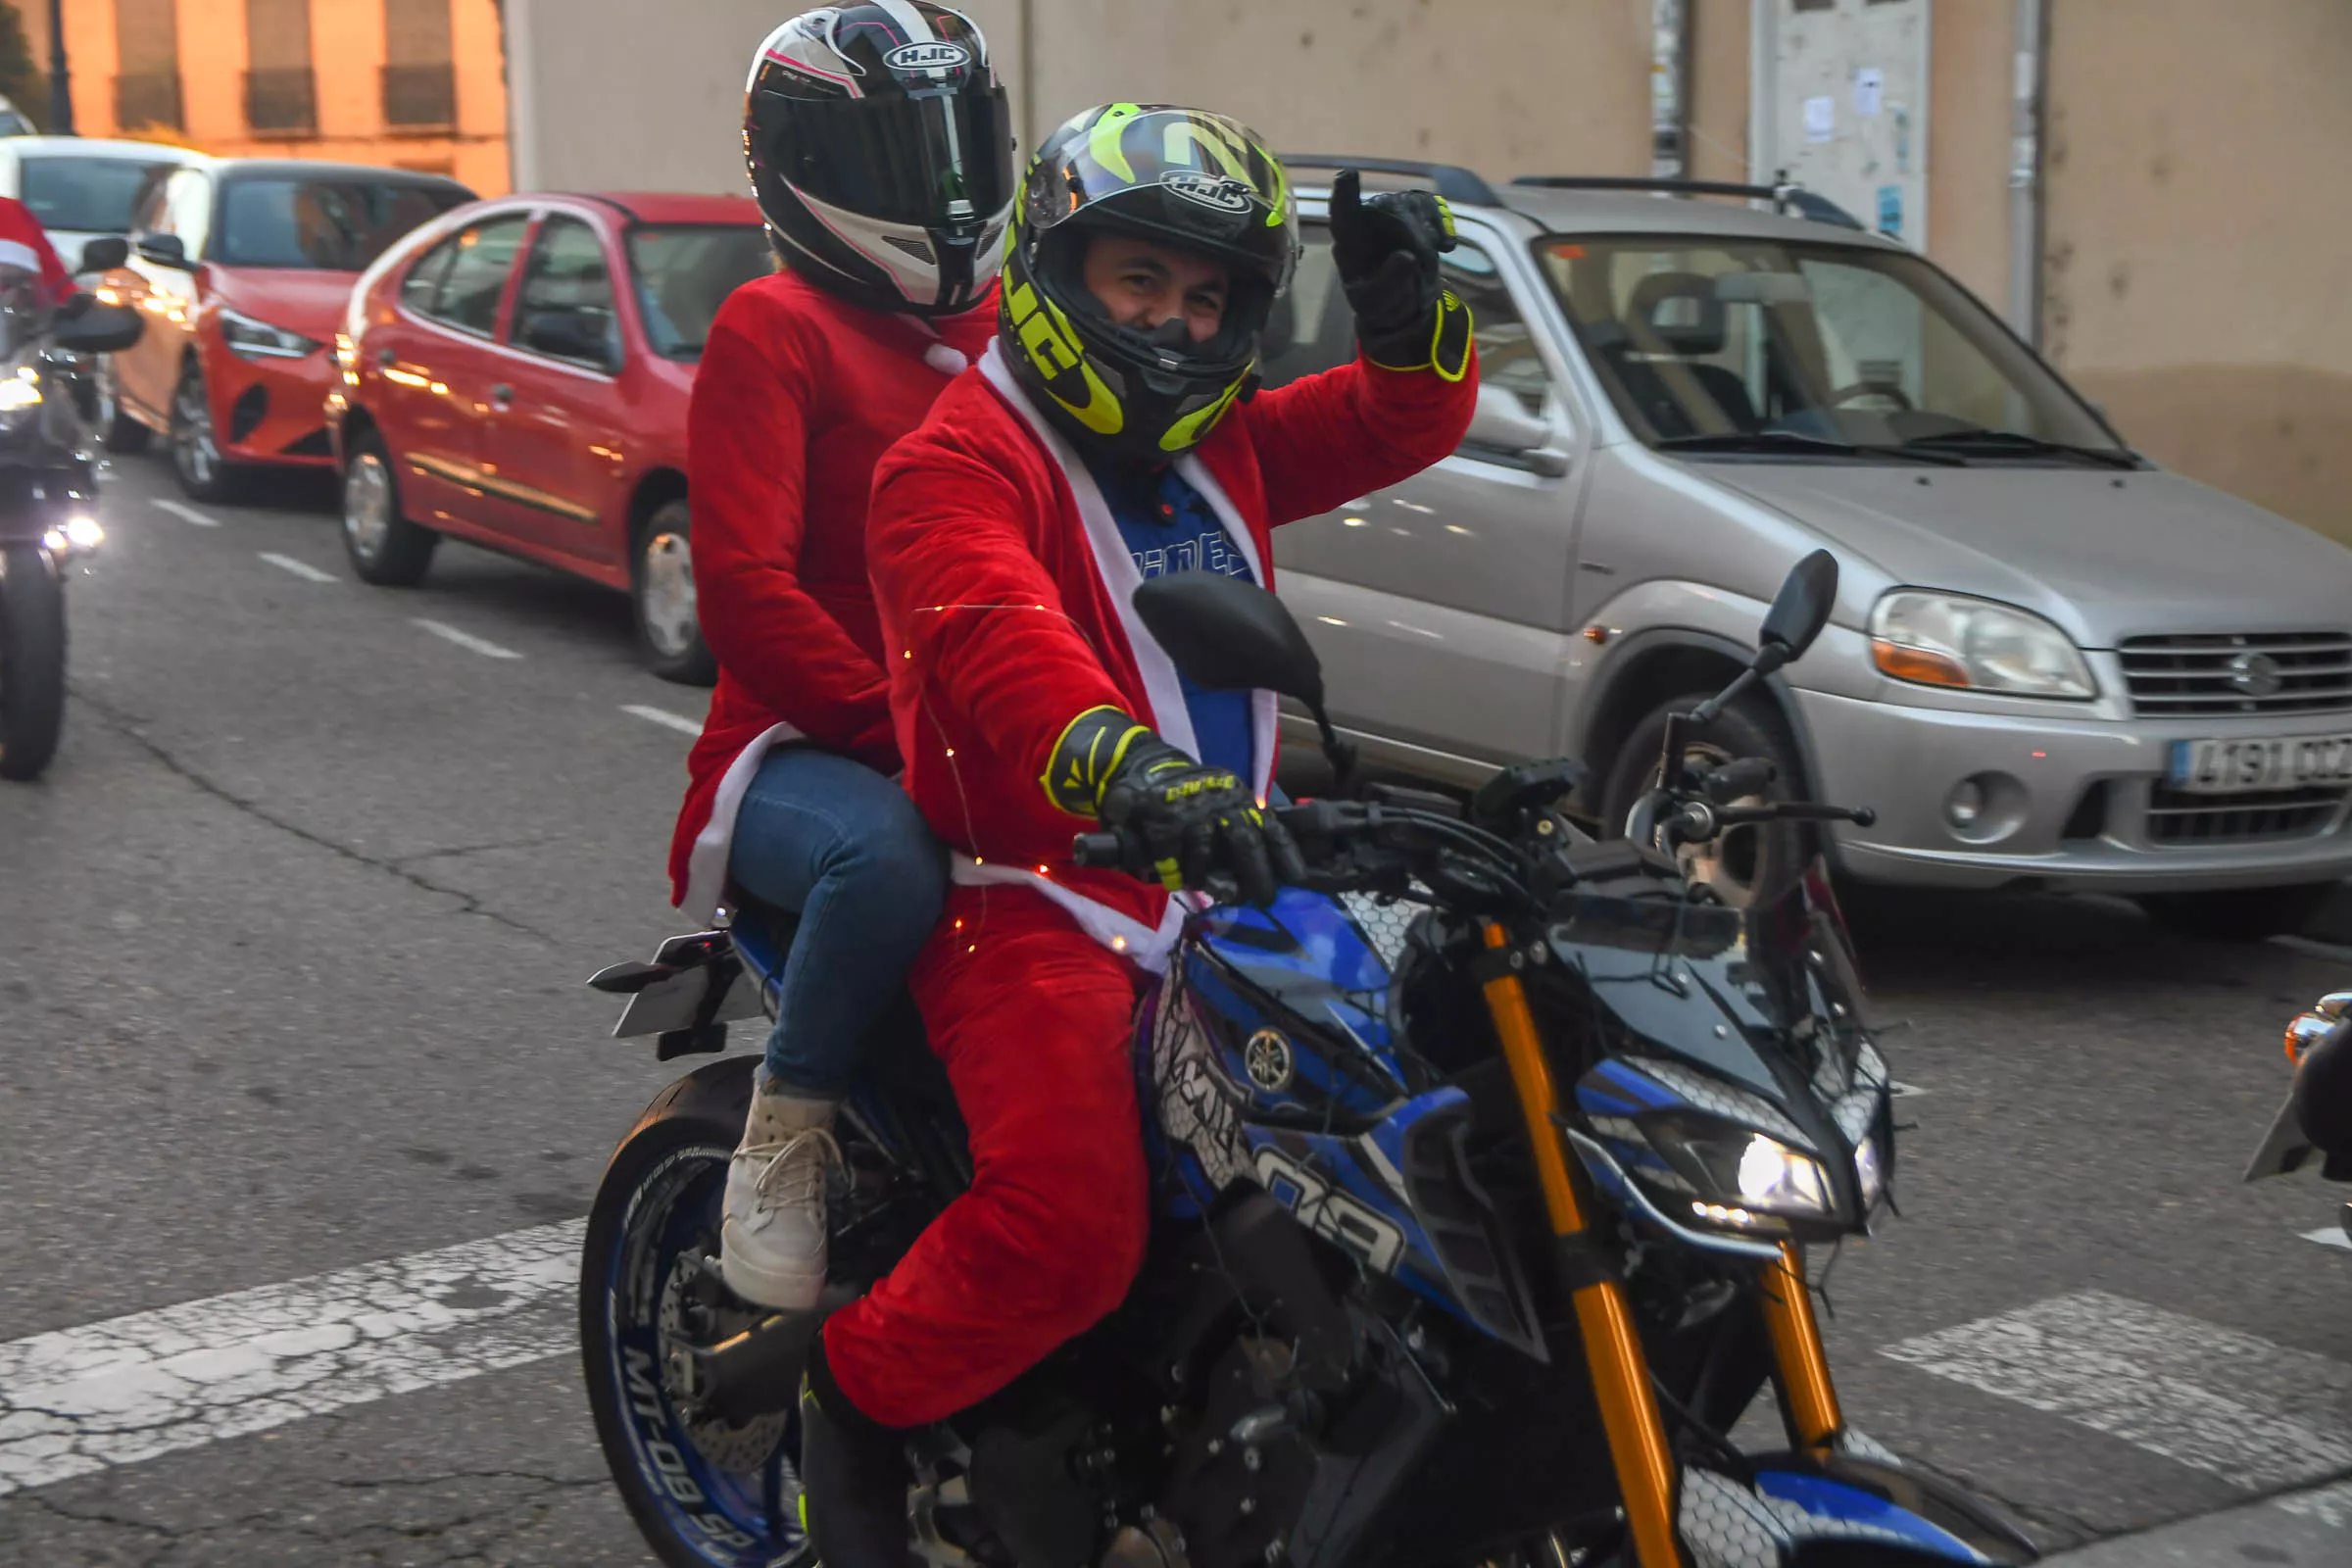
[(251, 338), (1966, 644)]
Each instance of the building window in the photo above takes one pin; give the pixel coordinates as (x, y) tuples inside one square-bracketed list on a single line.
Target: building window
[(421, 89), (147, 55), (282, 96)]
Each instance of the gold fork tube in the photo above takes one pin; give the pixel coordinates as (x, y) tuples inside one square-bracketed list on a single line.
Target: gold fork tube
[(1620, 1371), (1809, 1398)]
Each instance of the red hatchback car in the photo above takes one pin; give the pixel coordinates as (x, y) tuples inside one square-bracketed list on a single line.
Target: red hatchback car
[(241, 267), (516, 375)]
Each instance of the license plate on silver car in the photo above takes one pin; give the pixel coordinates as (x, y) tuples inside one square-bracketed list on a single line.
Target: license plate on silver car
[(2280, 762)]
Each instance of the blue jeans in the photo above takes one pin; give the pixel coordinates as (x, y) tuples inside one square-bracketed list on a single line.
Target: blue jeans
[(843, 847)]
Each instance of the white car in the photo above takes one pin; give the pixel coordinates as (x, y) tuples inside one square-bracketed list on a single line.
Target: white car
[(81, 186)]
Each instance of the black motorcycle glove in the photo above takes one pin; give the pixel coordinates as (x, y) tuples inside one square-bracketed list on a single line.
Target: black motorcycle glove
[(76, 305), (1385, 249), (1180, 821)]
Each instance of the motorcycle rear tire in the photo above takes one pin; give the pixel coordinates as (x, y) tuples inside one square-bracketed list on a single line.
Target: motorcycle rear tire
[(32, 660), (701, 1113)]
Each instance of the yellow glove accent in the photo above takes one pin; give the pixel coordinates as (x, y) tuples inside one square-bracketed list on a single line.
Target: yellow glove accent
[(1083, 758)]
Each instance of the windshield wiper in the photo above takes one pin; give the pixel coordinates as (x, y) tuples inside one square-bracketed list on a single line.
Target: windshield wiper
[(1795, 442), (2005, 443)]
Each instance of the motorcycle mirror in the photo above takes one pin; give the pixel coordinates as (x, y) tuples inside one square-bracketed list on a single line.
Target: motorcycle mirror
[(104, 254), (1802, 607), (1231, 635), (98, 329)]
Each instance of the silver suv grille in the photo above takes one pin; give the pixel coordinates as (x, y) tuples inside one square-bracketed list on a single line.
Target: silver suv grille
[(2178, 819), (2249, 673)]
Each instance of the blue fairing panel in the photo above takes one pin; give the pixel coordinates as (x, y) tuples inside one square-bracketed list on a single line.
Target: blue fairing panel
[(1834, 1511)]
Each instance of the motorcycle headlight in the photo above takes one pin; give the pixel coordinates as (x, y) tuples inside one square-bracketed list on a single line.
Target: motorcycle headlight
[(1952, 640), (20, 390), (1870, 1173), (251, 338), (1741, 1177)]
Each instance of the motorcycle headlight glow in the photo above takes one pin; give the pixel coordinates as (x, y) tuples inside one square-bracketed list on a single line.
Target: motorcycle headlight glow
[(1870, 1173), (1740, 1177), (251, 338), (20, 391), (1952, 640)]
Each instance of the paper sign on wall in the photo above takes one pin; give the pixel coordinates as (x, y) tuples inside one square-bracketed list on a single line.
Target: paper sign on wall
[(1820, 119), (1870, 89)]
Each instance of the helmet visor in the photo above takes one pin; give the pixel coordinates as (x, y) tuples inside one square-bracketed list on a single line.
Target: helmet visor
[(908, 159)]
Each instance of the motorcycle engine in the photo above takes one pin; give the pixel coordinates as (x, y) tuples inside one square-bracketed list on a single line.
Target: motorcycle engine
[(1240, 1468)]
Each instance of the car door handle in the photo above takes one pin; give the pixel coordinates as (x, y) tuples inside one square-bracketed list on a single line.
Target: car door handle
[(502, 395)]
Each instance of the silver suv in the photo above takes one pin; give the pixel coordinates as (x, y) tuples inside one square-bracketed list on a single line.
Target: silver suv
[(2052, 664)]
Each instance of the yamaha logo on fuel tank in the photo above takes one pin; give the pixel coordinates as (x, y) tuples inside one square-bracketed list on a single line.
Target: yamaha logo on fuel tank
[(930, 57), (1209, 190)]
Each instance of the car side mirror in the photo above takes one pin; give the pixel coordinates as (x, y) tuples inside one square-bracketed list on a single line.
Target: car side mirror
[(1230, 635), (1500, 423), (165, 250), (98, 329), (104, 254), (567, 335), (1802, 609)]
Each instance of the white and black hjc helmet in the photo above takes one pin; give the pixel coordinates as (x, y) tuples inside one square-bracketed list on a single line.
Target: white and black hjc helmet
[(881, 152)]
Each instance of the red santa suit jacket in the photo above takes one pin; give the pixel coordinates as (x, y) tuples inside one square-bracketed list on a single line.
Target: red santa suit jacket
[(797, 395), (25, 243), (1006, 592)]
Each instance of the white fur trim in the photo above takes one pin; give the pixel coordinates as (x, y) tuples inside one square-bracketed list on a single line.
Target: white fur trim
[(1112, 562), (946, 360), (1120, 932), (707, 861), (16, 253)]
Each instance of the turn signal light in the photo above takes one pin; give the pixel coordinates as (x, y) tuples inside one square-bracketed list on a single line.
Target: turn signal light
[(1917, 664)]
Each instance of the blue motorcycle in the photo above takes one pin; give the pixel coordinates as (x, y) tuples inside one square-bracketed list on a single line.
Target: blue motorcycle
[(1487, 1161)]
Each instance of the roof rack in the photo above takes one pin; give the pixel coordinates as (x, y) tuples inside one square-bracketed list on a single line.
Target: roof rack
[(1785, 196), (1453, 183)]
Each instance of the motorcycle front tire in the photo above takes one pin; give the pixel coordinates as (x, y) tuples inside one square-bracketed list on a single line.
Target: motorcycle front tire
[(32, 660)]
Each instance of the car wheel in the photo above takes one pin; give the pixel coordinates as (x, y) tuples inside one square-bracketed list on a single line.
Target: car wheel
[(385, 548), (1745, 862), (117, 430), (2238, 914), (195, 445), (669, 633)]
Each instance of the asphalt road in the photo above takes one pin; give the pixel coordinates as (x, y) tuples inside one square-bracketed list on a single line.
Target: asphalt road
[(290, 948)]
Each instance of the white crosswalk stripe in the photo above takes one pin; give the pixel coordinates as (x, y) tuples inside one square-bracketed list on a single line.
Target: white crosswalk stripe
[(2259, 1415), (81, 1400)]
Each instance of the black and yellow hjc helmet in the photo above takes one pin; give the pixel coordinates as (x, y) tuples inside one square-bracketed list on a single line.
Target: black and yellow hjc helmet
[(1182, 177)]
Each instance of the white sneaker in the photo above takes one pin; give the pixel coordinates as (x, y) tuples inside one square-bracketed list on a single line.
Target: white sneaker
[(773, 1241)]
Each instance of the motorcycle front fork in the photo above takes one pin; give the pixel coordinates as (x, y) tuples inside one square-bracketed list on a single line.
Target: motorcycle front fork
[(1620, 1370)]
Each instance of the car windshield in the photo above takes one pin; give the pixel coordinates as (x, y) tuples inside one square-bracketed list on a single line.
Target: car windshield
[(1732, 345), (335, 225), (90, 195), (685, 271)]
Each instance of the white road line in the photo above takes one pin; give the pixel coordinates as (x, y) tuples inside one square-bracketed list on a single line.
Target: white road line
[(299, 568), (664, 717), (2258, 1415), (185, 513), (116, 1392), (466, 638), (2329, 1505), (2329, 1236)]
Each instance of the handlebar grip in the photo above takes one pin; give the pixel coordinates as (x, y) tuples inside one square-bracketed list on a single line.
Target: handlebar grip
[(1100, 850)]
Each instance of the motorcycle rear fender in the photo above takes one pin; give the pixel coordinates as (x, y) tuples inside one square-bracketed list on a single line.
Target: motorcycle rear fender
[(694, 981)]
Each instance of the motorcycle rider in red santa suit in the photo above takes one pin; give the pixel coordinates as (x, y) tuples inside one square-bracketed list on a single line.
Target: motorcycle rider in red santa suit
[(881, 155), (1104, 438)]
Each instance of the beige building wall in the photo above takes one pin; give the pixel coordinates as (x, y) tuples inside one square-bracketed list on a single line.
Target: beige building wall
[(347, 58), (2197, 275)]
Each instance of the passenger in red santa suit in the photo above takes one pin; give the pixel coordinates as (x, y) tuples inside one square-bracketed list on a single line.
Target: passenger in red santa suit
[(1106, 437), (881, 155)]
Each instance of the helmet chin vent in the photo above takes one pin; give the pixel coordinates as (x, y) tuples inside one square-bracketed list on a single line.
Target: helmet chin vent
[(912, 247)]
